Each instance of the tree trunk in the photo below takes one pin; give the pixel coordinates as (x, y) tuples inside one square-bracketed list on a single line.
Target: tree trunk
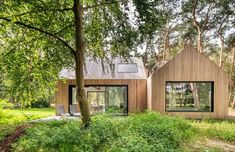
[(199, 41), (172, 99), (221, 50), (233, 103), (79, 60), (231, 82), (195, 95), (166, 44)]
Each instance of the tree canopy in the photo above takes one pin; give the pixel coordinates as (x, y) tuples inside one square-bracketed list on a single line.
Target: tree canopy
[(39, 38)]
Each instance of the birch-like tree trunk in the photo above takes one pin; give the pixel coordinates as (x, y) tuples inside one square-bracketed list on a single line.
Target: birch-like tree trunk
[(172, 97), (195, 95)]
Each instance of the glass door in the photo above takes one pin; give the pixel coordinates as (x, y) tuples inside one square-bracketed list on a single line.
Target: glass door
[(96, 100)]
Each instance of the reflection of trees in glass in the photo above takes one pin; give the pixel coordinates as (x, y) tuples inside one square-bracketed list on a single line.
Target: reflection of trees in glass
[(74, 101), (116, 99), (188, 96), (204, 94), (172, 96), (110, 99), (96, 97), (96, 100), (195, 94)]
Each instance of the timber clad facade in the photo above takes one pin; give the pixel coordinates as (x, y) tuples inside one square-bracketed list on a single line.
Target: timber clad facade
[(169, 90), (137, 92)]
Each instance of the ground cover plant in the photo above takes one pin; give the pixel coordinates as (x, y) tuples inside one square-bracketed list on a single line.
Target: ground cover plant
[(10, 118), (141, 132), (219, 129)]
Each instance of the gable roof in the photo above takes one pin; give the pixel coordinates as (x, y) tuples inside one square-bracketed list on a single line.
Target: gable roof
[(190, 55), (94, 70)]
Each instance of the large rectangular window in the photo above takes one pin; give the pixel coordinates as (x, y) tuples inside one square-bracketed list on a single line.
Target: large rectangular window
[(108, 99), (189, 96)]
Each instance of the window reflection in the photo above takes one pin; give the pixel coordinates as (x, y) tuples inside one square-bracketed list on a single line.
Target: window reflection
[(189, 96), (108, 99)]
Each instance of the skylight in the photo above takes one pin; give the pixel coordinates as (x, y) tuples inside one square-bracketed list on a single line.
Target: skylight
[(127, 68)]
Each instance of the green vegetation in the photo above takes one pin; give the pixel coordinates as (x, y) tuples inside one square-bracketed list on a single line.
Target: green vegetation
[(141, 132), (223, 130), (15, 116), (148, 131), (10, 118)]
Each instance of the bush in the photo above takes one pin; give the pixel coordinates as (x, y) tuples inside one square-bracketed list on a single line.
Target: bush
[(41, 103), (136, 133), (5, 104)]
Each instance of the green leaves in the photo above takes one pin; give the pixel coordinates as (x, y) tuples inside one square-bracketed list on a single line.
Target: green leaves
[(136, 133)]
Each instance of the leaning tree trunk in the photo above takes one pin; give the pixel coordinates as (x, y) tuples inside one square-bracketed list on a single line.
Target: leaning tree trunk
[(79, 60)]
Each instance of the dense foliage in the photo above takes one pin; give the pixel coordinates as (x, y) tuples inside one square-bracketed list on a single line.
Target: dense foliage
[(142, 132)]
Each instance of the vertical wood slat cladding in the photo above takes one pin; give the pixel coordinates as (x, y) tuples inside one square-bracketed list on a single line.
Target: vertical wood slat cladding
[(149, 93), (190, 65), (137, 91)]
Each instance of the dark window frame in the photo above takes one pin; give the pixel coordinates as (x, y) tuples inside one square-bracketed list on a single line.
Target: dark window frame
[(212, 96), (108, 85)]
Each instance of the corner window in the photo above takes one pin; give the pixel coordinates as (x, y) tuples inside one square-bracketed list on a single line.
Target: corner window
[(189, 96)]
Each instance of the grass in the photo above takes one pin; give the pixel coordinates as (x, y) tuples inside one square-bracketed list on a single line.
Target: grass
[(218, 129), (10, 118), (34, 113)]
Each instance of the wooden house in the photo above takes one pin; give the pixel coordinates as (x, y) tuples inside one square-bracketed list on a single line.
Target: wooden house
[(170, 88), (119, 87), (189, 85)]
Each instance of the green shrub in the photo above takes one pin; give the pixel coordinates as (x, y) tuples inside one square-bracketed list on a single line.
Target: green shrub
[(5, 104), (40, 103), (136, 133)]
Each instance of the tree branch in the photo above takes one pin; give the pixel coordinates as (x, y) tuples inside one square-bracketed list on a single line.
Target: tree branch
[(207, 18), (41, 31), (100, 4), (221, 24), (195, 22), (71, 25), (42, 10)]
